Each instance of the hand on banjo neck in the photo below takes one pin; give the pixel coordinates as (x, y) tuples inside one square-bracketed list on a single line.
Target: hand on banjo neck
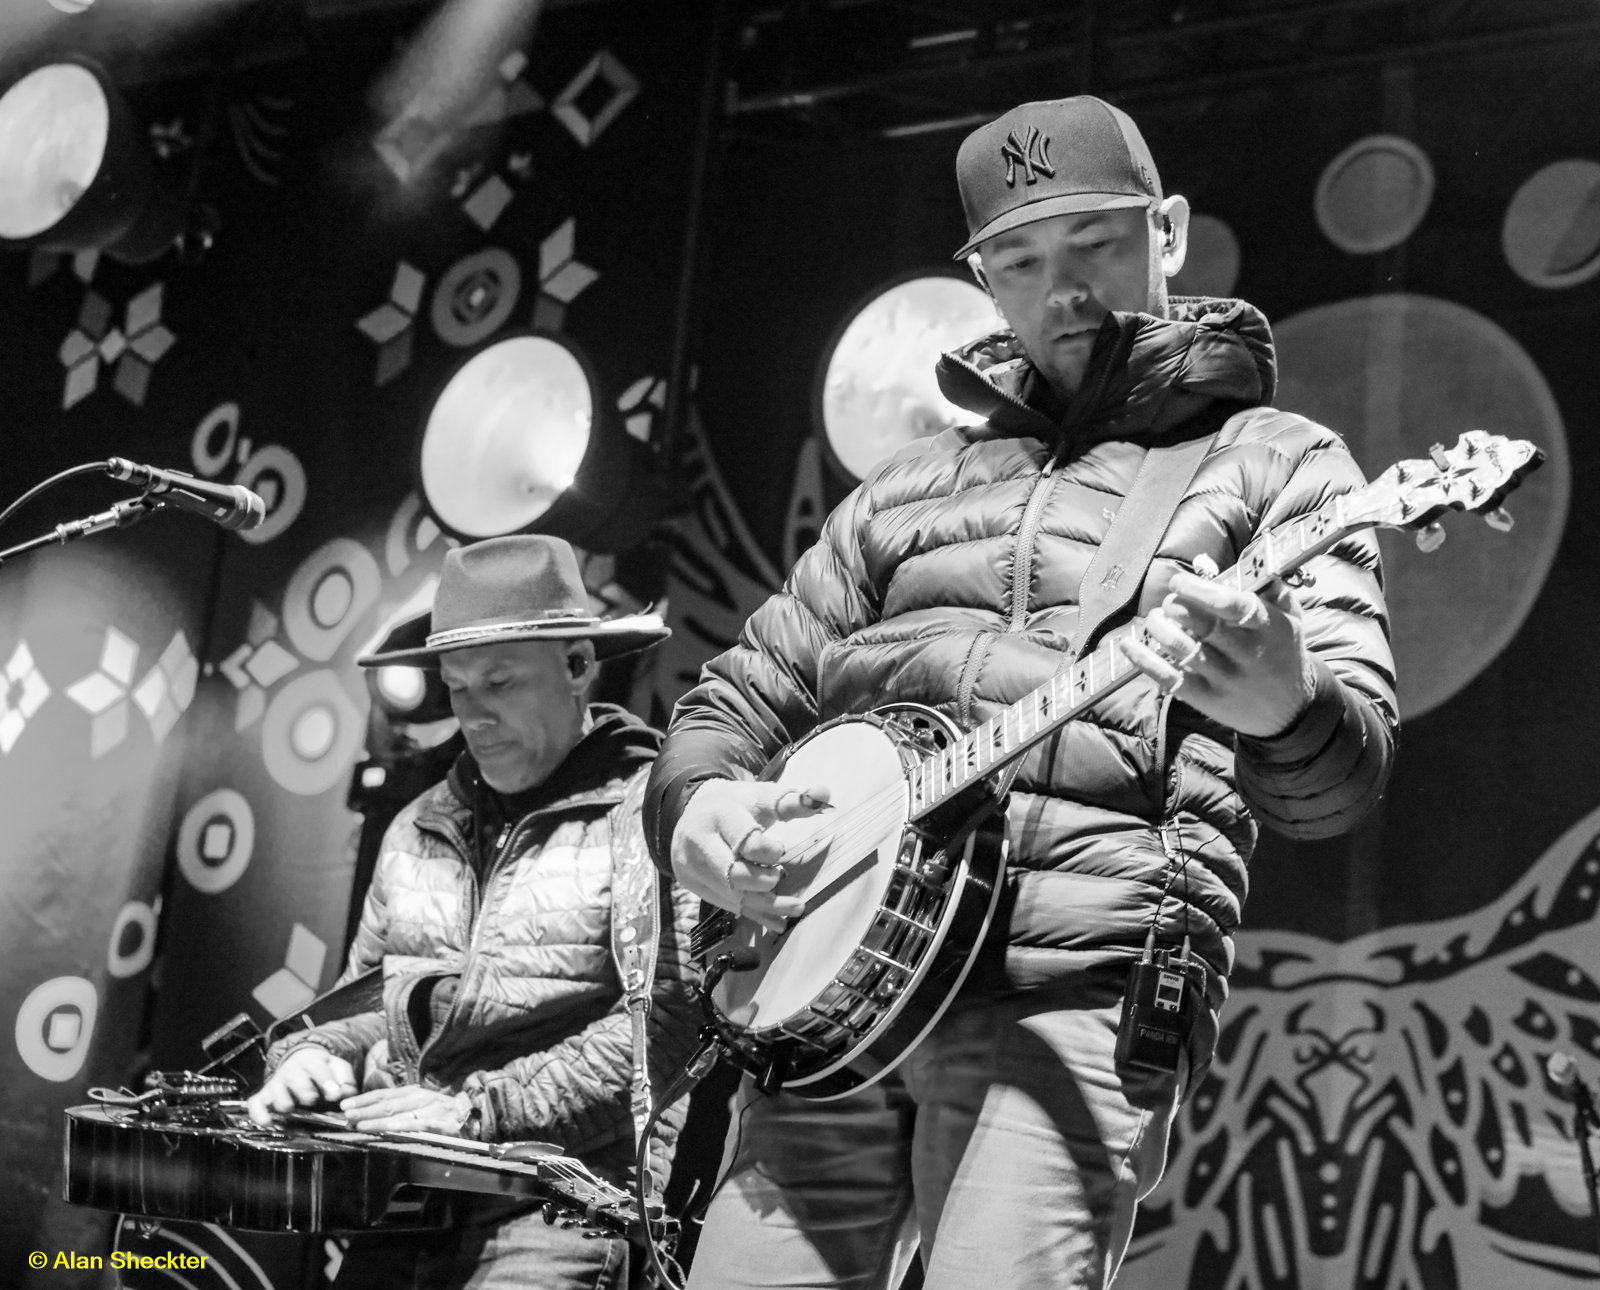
[(721, 852)]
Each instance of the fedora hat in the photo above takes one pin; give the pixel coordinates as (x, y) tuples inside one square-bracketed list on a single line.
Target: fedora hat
[(521, 588)]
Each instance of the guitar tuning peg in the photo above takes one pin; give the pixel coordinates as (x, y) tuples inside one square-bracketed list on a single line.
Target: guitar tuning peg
[(1439, 459), (1431, 538), (1500, 519)]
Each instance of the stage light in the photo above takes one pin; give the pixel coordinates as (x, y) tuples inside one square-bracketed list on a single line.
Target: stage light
[(403, 688), (507, 436), (876, 390), (76, 172)]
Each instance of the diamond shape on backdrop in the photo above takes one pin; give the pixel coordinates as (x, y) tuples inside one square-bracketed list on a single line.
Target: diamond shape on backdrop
[(94, 316), (566, 284), (144, 310), (306, 955), (271, 663), (394, 358), (283, 993), (485, 205), (624, 88), (132, 380), (84, 264), (152, 344), (233, 667), (216, 841), (385, 322), (22, 690), (95, 693), (81, 382), (118, 656), (182, 669), (65, 1027), (548, 314), (151, 692), (108, 730), (42, 266), (75, 348), (407, 289), (112, 345), (557, 248), (252, 704), (638, 425), (263, 624)]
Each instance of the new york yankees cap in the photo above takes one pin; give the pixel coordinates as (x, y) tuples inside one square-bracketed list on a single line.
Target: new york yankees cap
[(1056, 157)]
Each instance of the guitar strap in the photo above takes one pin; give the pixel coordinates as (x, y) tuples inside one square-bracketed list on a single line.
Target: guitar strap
[(636, 900), (1117, 572)]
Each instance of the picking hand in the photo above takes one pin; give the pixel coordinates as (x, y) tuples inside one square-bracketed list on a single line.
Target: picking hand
[(1238, 657), (720, 850), (307, 1076)]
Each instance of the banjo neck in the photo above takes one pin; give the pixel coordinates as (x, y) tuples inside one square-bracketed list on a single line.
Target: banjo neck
[(1473, 475)]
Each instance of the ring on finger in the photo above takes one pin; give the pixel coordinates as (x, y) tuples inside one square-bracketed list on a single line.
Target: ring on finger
[(1188, 660), (1255, 614)]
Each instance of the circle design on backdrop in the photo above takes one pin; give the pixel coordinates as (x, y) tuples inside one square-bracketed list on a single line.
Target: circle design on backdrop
[(877, 389), (124, 963), (54, 1026), (275, 473), (311, 733), (507, 435), (228, 1264), (475, 296), (209, 460), (1211, 267), (216, 840), (1551, 234), (1394, 374), (327, 595), (1373, 195)]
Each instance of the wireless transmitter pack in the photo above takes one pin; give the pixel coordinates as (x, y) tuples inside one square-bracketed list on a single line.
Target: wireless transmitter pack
[(1158, 1010)]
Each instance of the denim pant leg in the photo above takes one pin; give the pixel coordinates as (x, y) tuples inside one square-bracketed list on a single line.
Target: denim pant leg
[(487, 1251), (1030, 1149), (814, 1194)]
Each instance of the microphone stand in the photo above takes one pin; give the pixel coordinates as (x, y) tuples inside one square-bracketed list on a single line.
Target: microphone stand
[(122, 515)]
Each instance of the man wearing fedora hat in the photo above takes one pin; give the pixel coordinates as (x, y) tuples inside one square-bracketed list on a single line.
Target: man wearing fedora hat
[(1012, 1143), (497, 912)]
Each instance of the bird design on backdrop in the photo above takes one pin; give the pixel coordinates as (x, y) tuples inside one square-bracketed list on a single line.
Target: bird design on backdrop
[(1378, 1114)]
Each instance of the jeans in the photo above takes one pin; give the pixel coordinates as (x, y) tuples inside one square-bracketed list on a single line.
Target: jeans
[(487, 1250), (1008, 1143)]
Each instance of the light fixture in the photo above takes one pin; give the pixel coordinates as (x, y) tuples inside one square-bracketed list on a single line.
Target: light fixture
[(876, 389), (77, 172), (402, 687), (515, 443)]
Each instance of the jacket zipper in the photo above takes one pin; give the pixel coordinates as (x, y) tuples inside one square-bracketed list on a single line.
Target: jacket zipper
[(509, 836), (1022, 562)]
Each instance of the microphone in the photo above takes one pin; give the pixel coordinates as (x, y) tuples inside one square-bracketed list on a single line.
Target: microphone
[(231, 505), (1563, 1072)]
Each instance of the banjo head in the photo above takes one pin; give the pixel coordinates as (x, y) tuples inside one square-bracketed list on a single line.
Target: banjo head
[(840, 860)]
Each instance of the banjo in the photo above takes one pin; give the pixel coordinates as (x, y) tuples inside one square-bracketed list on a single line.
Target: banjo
[(902, 874)]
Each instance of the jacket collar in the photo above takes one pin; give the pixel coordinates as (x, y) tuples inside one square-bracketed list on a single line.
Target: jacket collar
[(1145, 375), (592, 777)]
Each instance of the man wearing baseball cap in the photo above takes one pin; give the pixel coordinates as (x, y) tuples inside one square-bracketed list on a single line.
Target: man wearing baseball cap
[(504, 911), (1012, 1142)]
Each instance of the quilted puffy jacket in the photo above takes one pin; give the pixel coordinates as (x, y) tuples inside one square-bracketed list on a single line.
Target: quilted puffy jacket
[(536, 1033), (950, 578)]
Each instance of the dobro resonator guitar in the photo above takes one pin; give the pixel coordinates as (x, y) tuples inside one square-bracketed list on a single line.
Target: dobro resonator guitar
[(901, 876)]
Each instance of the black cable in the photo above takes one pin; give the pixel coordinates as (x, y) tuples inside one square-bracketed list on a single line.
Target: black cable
[(60, 477), (693, 1072)]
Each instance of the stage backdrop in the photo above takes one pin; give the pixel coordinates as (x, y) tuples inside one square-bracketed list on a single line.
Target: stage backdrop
[(1423, 240), (179, 709)]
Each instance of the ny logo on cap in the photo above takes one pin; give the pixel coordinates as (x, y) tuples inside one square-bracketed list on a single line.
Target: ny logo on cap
[(1031, 152)]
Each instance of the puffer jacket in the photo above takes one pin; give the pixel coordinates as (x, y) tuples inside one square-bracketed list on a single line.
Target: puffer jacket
[(950, 577), (537, 1034)]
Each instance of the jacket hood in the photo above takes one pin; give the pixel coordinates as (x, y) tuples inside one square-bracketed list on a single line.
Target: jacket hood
[(1145, 374)]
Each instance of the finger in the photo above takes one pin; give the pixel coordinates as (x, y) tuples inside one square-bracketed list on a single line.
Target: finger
[(1195, 619), (278, 1094), (256, 1108), (1237, 608), (300, 1086), (793, 804), (775, 913), (1175, 642), (747, 877), (1279, 595), (760, 848), (1159, 669)]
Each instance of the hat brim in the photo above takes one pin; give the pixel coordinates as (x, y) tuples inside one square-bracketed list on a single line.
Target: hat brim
[(406, 644), (1046, 208)]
